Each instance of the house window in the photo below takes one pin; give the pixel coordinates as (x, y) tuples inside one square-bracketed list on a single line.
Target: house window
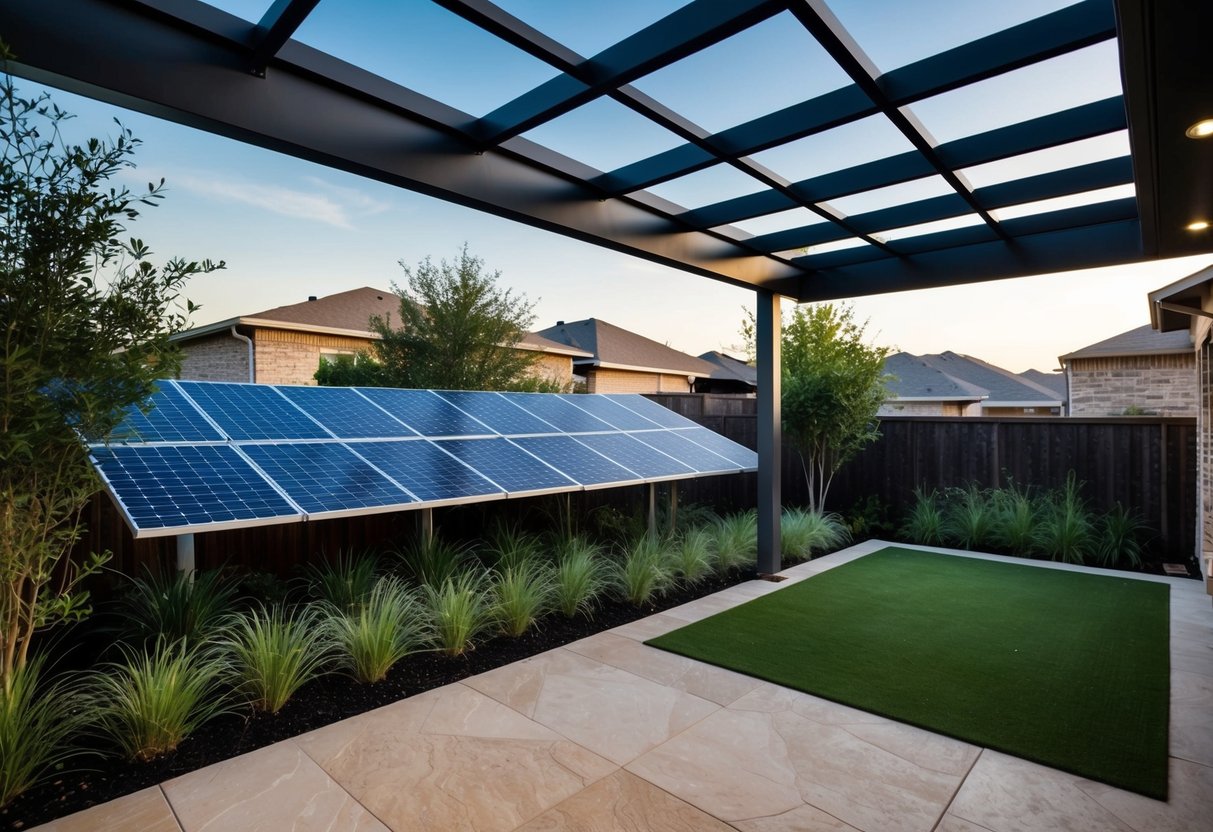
[(339, 356)]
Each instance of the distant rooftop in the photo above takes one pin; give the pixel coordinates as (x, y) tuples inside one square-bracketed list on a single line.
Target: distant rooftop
[(1004, 387), (613, 347), (1144, 340), (916, 380), (730, 368), (1054, 381)]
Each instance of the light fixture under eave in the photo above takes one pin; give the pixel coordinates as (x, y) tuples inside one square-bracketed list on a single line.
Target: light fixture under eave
[(1199, 225), (1202, 129)]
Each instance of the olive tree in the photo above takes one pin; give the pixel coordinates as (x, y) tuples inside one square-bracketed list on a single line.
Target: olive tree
[(833, 383), (85, 317)]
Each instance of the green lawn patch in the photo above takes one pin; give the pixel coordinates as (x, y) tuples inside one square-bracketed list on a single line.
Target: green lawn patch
[(1067, 669)]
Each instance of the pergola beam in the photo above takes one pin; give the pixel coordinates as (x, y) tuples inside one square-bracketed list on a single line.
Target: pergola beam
[(277, 26)]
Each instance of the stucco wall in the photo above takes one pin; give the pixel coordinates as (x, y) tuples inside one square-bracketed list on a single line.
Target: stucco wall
[(215, 358), (1164, 385), (599, 380)]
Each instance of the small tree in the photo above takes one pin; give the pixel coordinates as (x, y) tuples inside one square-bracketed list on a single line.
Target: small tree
[(833, 385), (84, 325), (359, 370), (458, 330)]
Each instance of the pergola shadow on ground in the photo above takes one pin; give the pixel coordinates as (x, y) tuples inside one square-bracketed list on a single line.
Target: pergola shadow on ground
[(608, 733), (190, 62)]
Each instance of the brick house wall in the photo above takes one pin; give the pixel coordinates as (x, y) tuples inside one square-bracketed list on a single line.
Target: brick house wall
[(552, 367), (896, 408), (288, 357), (599, 380), (1164, 385), (215, 358)]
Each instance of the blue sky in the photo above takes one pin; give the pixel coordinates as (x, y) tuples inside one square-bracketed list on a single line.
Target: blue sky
[(289, 229)]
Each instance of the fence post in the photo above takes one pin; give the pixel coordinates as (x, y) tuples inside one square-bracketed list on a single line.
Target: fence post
[(1164, 503)]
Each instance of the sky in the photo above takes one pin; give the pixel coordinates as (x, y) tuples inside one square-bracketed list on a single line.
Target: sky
[(288, 228)]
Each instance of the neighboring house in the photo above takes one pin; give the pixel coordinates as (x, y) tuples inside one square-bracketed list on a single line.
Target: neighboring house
[(1055, 381), (284, 345), (732, 375), (1003, 393), (1139, 371), (922, 390), (619, 361)]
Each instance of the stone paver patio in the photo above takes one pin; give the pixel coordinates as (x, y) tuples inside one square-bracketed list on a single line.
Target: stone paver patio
[(607, 734)]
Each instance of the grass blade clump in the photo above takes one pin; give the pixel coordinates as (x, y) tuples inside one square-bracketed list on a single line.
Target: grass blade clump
[(736, 541), (38, 724), (924, 523), (273, 653), (433, 562), (806, 533), (343, 583), (969, 519), (390, 624), (1119, 538), (156, 697), (643, 572), (177, 606), (1066, 532), (521, 594), (510, 547), (579, 577), (693, 556), (460, 610), (1017, 516)]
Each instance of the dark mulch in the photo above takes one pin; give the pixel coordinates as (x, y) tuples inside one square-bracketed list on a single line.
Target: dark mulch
[(320, 703)]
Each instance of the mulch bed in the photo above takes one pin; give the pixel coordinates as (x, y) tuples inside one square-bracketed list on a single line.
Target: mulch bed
[(322, 702)]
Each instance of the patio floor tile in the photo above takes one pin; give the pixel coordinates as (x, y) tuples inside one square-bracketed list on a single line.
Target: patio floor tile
[(775, 750), (801, 819), (616, 714), (651, 627), (144, 811), (277, 787), (623, 802), (703, 680), (1192, 717), (452, 759), (1189, 807)]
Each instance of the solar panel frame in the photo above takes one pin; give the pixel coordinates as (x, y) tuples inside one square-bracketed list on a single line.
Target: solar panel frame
[(470, 451), (357, 417), (571, 458), (253, 412), (399, 460)]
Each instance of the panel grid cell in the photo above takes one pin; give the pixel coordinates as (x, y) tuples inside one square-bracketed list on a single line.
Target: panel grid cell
[(566, 418), (687, 452), (498, 412), (425, 470), (165, 487), (613, 413), (325, 477), (635, 455), (252, 411), (723, 446), (346, 414), (574, 460), (171, 419), (425, 412), (507, 465), (649, 409)]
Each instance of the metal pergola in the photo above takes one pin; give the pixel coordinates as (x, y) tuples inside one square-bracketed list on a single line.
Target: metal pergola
[(189, 62)]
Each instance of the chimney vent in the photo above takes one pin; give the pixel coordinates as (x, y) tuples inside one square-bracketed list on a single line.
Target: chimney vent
[(311, 298), (560, 323)]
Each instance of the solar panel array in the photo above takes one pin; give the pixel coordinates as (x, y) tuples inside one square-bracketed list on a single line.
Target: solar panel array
[(207, 456)]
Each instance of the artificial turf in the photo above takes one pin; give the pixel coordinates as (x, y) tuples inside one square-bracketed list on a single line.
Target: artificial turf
[(1068, 669)]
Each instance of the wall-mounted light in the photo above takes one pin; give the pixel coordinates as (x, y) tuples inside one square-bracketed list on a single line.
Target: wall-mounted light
[(1199, 225), (1202, 129)]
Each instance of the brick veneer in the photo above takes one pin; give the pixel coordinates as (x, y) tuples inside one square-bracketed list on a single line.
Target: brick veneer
[(1164, 385)]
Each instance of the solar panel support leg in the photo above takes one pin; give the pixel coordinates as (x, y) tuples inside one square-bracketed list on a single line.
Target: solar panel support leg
[(427, 525), (673, 506), (653, 510), (767, 338), (185, 554)]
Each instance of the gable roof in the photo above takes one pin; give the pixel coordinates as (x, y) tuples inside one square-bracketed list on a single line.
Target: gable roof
[(1006, 389), (1053, 381), (916, 380), (1144, 340), (729, 368), (613, 347)]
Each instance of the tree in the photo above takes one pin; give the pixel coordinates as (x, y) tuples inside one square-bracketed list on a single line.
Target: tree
[(458, 330), (359, 370), (833, 384), (84, 324)]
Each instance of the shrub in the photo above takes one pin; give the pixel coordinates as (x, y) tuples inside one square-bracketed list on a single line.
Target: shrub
[(521, 594), (736, 541), (1066, 532), (579, 577), (1119, 537), (38, 724), (969, 519), (433, 562), (643, 571), (692, 557), (156, 697), (460, 611), (1017, 516), (805, 533), (344, 582), (176, 606), (924, 523), (390, 624), (273, 653)]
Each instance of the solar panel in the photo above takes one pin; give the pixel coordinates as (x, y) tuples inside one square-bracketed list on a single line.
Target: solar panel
[(425, 470), (326, 477), (252, 411), (723, 446), (500, 414), (614, 414), (564, 417), (575, 460), (636, 456), (172, 419), (649, 409), (346, 414), (176, 487), (425, 412), (507, 465), (675, 444)]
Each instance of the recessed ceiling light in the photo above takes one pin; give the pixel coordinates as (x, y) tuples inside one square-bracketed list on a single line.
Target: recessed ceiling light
[(1199, 225), (1202, 129)]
